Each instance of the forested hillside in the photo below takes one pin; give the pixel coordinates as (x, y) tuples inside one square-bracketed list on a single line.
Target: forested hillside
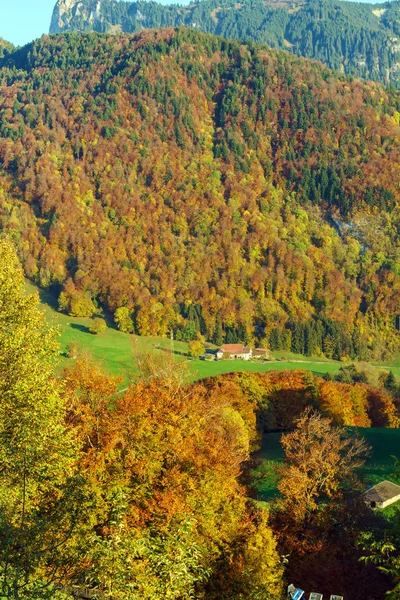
[(5, 47), (205, 185), (358, 39)]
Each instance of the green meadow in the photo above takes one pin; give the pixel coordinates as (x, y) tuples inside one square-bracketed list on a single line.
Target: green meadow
[(201, 369), (117, 351), (390, 365)]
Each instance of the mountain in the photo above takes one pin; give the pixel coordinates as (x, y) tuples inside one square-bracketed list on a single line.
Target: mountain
[(206, 185), (358, 39)]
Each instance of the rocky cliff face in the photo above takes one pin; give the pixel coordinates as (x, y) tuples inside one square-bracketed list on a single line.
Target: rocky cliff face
[(72, 15)]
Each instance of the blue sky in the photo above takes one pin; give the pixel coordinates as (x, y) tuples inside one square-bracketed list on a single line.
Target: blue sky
[(22, 21)]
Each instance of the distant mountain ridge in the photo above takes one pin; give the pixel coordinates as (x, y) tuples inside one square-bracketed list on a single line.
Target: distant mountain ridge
[(356, 38)]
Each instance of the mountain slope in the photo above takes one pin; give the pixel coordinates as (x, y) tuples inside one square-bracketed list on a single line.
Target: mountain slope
[(205, 185), (5, 47), (358, 39)]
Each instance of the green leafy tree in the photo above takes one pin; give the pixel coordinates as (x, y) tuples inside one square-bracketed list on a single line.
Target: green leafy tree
[(75, 302), (123, 319), (384, 553), (36, 452), (390, 382), (196, 347), (71, 350), (218, 337)]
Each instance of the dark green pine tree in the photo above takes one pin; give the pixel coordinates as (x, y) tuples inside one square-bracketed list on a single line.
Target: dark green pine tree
[(218, 336), (390, 382)]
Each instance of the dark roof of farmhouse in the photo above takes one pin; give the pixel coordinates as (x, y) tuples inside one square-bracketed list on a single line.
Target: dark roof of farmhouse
[(386, 490)]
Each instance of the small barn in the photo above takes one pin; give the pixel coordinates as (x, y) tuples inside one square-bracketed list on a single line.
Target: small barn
[(382, 495), (261, 353)]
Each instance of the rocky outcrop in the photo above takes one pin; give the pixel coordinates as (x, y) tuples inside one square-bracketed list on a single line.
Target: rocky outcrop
[(62, 15), (72, 15)]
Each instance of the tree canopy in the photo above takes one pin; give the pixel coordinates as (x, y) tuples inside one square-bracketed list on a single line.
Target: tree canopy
[(37, 454), (187, 182)]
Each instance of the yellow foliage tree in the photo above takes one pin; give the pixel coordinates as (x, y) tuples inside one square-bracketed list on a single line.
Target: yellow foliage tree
[(36, 452)]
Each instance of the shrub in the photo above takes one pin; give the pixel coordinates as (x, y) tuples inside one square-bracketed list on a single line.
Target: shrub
[(71, 350), (97, 325)]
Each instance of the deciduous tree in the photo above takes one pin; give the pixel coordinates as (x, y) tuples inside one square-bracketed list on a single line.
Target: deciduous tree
[(97, 325), (320, 460), (123, 319), (36, 451)]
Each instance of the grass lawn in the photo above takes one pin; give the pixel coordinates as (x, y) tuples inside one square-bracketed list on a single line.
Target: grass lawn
[(112, 348), (201, 369), (384, 442), (271, 453), (284, 355), (393, 363)]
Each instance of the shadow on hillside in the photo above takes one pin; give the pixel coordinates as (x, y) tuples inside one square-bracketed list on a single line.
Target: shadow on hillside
[(177, 352), (47, 297), (79, 327)]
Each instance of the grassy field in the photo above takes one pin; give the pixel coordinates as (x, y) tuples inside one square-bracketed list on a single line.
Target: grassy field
[(116, 351), (392, 365), (201, 369), (385, 443)]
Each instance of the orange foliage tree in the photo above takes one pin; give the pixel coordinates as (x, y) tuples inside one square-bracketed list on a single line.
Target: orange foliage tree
[(165, 511)]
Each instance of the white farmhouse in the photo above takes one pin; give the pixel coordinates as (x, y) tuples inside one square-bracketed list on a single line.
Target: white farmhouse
[(231, 351)]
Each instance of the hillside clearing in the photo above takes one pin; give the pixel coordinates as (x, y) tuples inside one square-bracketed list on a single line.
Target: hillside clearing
[(116, 351)]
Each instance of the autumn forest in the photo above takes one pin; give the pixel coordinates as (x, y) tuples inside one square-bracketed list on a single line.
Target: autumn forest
[(173, 183), (205, 186)]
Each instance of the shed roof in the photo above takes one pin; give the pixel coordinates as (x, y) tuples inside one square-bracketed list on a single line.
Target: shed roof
[(386, 490)]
